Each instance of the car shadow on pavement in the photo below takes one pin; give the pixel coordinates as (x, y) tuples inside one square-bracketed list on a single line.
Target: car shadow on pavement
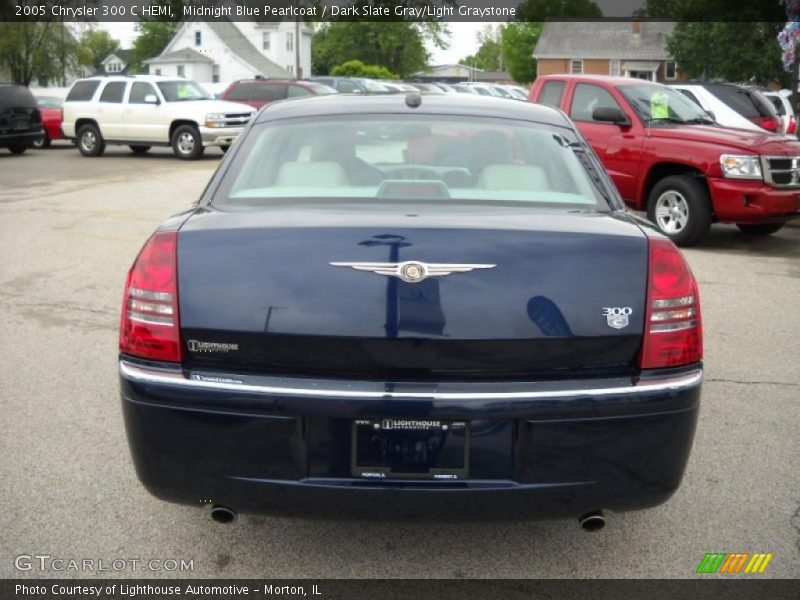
[(784, 244)]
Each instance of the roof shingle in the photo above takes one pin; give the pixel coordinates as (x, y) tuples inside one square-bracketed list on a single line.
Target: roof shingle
[(604, 39)]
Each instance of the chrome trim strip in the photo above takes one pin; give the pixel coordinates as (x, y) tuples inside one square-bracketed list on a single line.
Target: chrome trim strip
[(140, 374)]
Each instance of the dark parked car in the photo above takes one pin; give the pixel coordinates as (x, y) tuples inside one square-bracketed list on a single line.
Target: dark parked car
[(20, 119), (351, 85), (258, 92), (461, 317)]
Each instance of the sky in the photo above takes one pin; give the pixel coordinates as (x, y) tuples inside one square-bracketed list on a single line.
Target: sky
[(463, 40)]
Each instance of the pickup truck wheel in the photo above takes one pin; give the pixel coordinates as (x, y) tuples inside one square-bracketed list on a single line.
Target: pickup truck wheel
[(139, 149), (17, 149), (186, 143), (90, 141), (680, 208), (760, 228)]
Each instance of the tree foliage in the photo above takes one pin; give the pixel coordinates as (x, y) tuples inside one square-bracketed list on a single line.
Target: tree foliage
[(542, 10), (43, 51), (95, 45), (152, 37), (356, 68), (489, 56), (518, 41), (744, 48)]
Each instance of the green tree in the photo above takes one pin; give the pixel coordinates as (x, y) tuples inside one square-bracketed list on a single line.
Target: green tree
[(356, 68), (489, 56), (518, 41), (43, 51), (542, 10), (399, 46), (95, 45), (152, 37), (742, 48)]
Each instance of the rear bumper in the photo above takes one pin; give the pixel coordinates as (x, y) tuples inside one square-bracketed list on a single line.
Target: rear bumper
[(537, 449), (738, 201), (26, 138)]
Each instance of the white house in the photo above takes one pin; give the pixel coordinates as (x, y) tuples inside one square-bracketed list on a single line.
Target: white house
[(222, 51)]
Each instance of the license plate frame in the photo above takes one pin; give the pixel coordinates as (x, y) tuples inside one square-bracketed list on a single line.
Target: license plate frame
[(399, 448)]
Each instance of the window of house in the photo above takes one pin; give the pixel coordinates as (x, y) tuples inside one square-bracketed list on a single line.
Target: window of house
[(670, 70), (158, 71), (198, 38), (181, 71), (289, 40), (113, 92), (215, 74), (586, 98), (576, 67), (265, 40), (615, 68)]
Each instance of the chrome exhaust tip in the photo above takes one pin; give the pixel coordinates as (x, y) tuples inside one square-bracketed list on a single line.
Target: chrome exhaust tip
[(223, 514), (593, 521)]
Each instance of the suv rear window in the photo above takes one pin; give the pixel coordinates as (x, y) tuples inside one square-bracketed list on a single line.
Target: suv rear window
[(83, 91), (742, 100)]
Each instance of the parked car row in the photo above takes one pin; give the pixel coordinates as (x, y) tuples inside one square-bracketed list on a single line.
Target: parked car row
[(668, 156)]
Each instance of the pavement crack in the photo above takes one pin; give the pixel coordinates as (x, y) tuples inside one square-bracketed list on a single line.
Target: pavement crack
[(741, 382)]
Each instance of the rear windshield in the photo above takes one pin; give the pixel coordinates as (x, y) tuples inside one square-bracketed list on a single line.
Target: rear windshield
[(777, 104), (424, 158), (321, 89), (746, 102)]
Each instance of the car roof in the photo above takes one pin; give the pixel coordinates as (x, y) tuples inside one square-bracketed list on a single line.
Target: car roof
[(279, 81), (147, 78), (432, 104), (608, 79)]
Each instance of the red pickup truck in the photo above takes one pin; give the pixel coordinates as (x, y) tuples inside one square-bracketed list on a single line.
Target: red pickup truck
[(667, 156)]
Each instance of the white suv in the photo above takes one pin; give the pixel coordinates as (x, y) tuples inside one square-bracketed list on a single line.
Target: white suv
[(145, 111)]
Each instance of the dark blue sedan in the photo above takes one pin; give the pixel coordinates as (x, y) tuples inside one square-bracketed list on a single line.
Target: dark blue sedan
[(410, 305)]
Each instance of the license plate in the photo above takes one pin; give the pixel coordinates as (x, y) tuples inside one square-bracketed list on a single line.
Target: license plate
[(19, 124), (410, 448)]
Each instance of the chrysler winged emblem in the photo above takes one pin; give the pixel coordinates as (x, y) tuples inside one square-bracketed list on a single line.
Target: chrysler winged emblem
[(411, 271)]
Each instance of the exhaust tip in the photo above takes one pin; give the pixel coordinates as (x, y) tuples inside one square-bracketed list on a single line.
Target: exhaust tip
[(593, 521), (223, 514)]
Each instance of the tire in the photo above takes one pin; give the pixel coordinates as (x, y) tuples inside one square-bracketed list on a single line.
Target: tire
[(186, 143), (139, 149), (760, 228), (17, 149), (90, 141), (42, 142), (680, 208), (224, 148)]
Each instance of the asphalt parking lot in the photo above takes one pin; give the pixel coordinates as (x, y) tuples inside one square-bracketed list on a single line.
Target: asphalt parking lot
[(70, 227)]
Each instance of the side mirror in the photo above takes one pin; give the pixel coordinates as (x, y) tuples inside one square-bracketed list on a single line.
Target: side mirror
[(610, 114), (151, 99)]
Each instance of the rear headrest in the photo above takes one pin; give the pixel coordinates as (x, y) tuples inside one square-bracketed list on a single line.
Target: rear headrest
[(514, 177), (311, 174)]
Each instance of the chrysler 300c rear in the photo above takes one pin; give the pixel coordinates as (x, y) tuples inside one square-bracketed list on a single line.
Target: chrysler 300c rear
[(412, 303)]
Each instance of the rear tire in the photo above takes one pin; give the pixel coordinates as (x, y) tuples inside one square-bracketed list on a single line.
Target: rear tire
[(90, 141), (760, 228), (17, 149), (42, 142), (680, 208), (139, 149), (187, 143)]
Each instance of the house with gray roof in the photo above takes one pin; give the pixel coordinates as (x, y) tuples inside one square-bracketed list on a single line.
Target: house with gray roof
[(226, 51), (619, 48)]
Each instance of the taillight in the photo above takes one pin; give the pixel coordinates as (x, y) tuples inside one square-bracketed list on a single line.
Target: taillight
[(792, 127), (768, 123), (673, 332), (150, 326)]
